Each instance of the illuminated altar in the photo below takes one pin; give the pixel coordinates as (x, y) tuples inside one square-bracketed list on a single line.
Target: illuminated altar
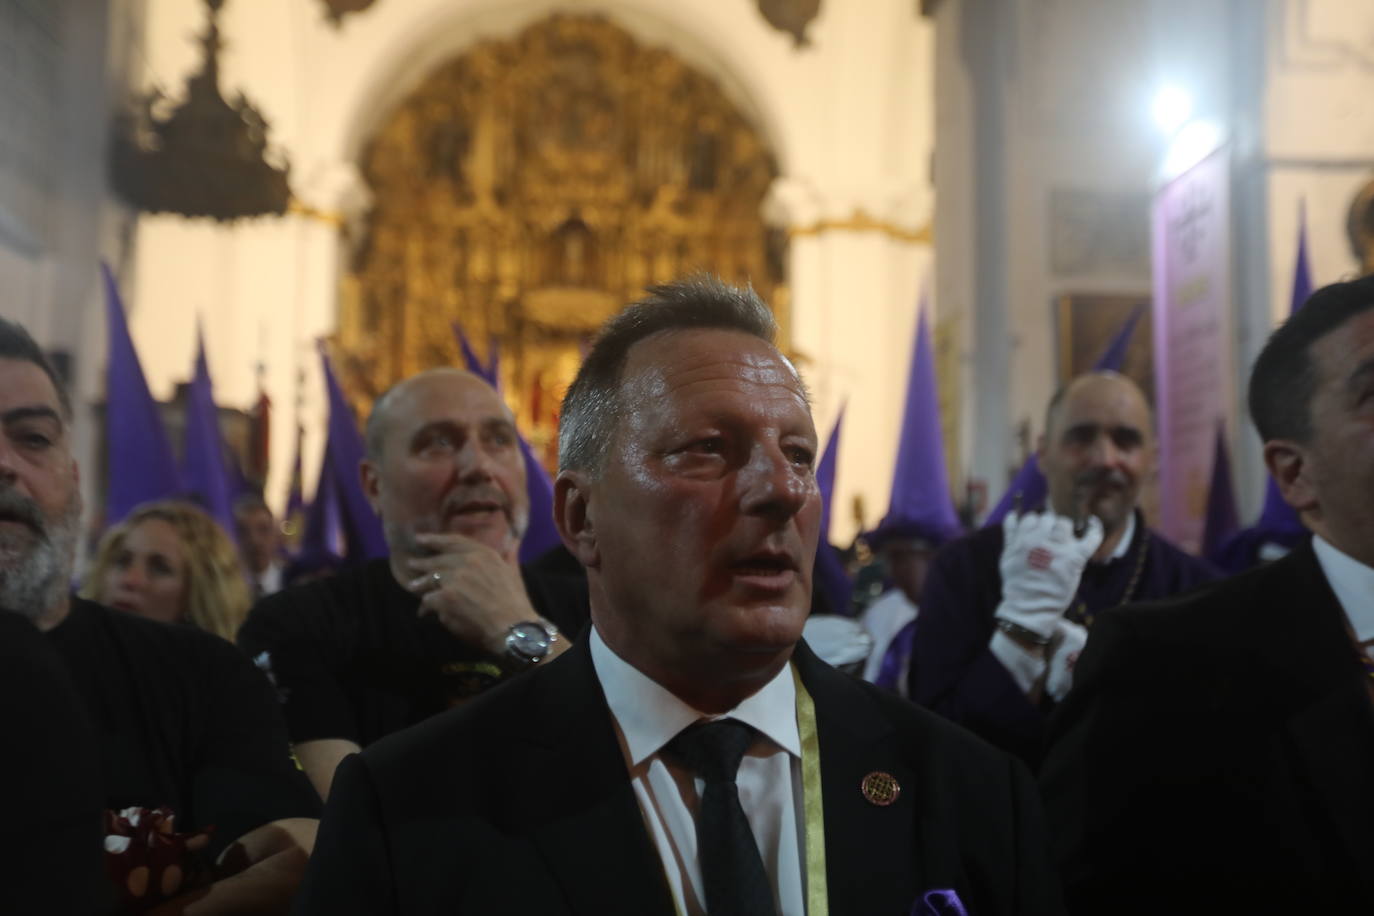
[(528, 189)]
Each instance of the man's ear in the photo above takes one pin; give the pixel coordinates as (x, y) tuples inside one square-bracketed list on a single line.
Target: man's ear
[(574, 516), (1287, 463), (371, 480)]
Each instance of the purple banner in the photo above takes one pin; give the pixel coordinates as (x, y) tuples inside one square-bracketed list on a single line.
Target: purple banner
[(1192, 328)]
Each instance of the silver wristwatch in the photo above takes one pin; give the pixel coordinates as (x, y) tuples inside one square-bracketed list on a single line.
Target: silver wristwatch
[(529, 642)]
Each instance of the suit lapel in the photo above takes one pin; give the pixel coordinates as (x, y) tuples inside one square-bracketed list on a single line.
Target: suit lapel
[(864, 840), (592, 834), (1332, 726)]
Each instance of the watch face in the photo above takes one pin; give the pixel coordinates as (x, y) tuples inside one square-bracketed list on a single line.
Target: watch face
[(529, 640)]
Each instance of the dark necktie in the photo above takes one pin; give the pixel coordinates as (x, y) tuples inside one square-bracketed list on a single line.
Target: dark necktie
[(732, 871)]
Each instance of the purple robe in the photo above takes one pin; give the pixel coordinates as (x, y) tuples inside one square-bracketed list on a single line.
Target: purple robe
[(954, 673)]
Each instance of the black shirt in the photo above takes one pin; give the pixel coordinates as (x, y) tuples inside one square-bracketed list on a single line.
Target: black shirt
[(352, 657), (50, 764), (183, 721)]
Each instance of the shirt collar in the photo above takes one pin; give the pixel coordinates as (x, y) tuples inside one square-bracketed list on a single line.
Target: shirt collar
[(1353, 583), (1123, 545), (650, 715)]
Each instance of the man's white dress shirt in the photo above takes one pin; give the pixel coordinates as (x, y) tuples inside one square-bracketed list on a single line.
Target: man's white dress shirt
[(1353, 583), (268, 582), (884, 619), (647, 716)]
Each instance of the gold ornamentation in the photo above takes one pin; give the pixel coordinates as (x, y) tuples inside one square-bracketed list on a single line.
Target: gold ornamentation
[(950, 382), (299, 207), (530, 188), (881, 789), (860, 221)]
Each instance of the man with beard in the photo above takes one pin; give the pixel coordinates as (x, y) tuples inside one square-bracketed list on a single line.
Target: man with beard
[(449, 612), (181, 720), (1006, 610), (691, 755)]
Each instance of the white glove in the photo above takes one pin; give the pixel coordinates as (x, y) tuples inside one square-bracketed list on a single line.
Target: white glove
[(1069, 640), (1042, 561)]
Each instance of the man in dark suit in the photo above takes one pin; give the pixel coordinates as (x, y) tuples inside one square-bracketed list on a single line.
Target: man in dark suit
[(1216, 752), (691, 755)]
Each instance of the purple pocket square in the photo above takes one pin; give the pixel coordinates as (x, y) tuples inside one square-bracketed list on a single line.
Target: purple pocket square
[(941, 902)]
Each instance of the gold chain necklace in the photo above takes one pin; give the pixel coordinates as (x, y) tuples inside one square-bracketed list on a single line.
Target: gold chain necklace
[(1142, 550)]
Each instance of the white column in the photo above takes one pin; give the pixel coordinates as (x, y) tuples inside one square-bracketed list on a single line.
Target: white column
[(855, 286)]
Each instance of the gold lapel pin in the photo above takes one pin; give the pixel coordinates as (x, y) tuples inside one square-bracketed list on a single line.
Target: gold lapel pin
[(880, 788)]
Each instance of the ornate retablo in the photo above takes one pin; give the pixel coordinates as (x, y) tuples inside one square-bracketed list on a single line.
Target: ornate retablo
[(530, 188)]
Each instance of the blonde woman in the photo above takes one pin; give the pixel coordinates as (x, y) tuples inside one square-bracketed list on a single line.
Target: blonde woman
[(169, 561)]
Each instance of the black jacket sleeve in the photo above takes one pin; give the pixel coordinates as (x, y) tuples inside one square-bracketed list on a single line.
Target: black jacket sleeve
[(244, 774), (350, 870)]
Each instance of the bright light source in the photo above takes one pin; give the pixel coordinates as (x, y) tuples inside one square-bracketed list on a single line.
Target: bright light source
[(1195, 142), (1172, 108)]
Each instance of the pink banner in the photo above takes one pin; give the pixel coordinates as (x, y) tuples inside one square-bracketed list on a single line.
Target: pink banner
[(1192, 329)]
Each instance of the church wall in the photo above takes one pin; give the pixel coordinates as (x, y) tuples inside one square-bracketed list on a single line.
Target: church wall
[(1044, 160), (1063, 88), (1317, 131), (848, 117), (1041, 109), (34, 39), (65, 61)]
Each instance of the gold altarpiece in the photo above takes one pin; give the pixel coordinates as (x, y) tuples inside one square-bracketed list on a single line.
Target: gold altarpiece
[(531, 187)]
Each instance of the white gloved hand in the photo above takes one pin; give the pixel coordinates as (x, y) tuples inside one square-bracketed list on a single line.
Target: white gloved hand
[(1042, 561), (1069, 640)]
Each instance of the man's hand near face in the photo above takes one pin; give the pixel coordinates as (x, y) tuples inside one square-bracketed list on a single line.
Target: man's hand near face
[(473, 591)]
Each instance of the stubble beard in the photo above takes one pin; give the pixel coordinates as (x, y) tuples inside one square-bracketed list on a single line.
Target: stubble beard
[(400, 538)]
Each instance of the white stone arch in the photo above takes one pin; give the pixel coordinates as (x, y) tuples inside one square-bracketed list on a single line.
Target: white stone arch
[(849, 118), (444, 31)]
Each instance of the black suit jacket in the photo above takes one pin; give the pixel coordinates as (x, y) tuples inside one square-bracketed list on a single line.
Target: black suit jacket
[(1216, 755), (520, 802)]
